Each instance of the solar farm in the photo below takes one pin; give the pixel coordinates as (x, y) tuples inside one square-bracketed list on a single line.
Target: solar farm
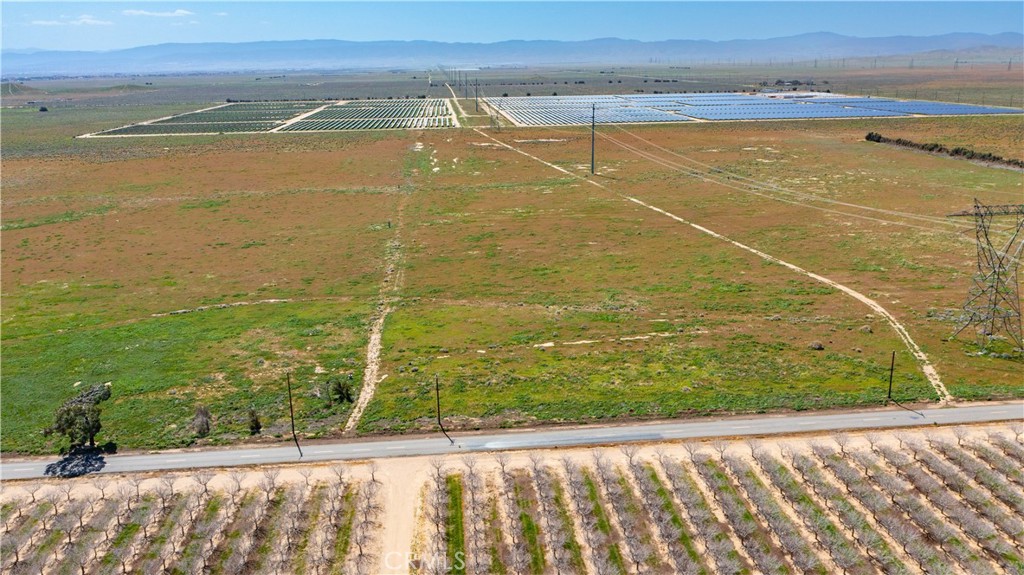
[(649, 108), (265, 117), (430, 113)]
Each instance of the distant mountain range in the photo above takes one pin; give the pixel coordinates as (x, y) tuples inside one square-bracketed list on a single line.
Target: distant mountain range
[(340, 54)]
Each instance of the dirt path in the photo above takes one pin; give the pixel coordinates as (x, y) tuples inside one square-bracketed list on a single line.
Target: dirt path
[(899, 328), (401, 481), (455, 100), (300, 117), (389, 287)]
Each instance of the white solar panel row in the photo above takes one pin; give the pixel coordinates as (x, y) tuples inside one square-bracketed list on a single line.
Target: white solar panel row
[(782, 112), (934, 108), (845, 100), (634, 108), (569, 116)]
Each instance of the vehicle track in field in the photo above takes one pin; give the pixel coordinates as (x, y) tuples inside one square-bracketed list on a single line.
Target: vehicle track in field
[(926, 366), (712, 174), (455, 102), (389, 288), (744, 184)]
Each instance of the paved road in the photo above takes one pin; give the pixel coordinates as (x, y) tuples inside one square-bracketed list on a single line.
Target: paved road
[(539, 438)]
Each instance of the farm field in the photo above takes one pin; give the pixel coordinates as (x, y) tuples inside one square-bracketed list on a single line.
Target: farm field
[(557, 301), (197, 271), (936, 500)]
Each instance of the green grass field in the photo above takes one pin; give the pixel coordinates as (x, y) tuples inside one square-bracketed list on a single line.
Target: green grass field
[(533, 296)]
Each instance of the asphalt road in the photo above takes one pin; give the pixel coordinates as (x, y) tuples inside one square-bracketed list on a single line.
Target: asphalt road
[(27, 468)]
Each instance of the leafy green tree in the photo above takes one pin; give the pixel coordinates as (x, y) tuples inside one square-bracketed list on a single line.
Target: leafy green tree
[(79, 417)]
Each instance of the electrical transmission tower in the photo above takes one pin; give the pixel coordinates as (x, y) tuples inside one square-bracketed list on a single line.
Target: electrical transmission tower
[(993, 303)]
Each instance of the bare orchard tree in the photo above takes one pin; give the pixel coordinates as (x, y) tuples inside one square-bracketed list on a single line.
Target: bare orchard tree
[(755, 446), (338, 472), (720, 445), (367, 512), (595, 538), (901, 438), (554, 525), (961, 433), (32, 489), (663, 520), (630, 450), (83, 509), (477, 559), (168, 482), (53, 498), (268, 483), (164, 495), (503, 460), (136, 485), (126, 494), (68, 520), (842, 440), (101, 484), (203, 479), (873, 439), (519, 556), (638, 550), (10, 545), (437, 509), (233, 488), (692, 449), (66, 489), (1018, 431)]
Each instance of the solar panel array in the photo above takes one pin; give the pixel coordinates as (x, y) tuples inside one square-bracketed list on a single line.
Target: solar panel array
[(642, 108), (377, 115), (308, 116), (368, 124), (257, 117), (934, 108), (270, 112), (190, 129), (568, 115), (781, 111)]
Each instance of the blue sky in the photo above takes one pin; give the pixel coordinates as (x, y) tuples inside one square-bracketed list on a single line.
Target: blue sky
[(114, 25)]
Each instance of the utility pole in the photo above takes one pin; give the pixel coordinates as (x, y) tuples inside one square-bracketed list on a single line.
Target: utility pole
[(892, 368), (593, 134), (291, 411), (476, 94), (437, 391)]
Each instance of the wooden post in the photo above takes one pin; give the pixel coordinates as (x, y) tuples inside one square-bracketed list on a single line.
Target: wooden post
[(437, 392), (291, 411), (892, 368)]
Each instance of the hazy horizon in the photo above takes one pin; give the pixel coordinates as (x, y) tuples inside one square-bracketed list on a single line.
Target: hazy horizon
[(103, 26)]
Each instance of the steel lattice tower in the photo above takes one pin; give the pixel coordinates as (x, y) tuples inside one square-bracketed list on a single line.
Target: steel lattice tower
[(993, 303)]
